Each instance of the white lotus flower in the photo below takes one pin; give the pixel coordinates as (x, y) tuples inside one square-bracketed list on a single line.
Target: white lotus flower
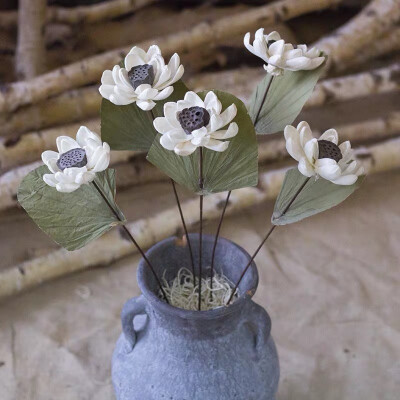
[(192, 123), (77, 161), (144, 79), (322, 157), (280, 56)]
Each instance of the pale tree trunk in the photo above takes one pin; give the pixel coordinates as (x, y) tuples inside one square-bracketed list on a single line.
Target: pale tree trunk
[(83, 14), (31, 51)]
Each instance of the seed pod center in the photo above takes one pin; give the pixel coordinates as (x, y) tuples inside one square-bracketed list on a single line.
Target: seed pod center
[(193, 118), (72, 158), (328, 149), (140, 75)]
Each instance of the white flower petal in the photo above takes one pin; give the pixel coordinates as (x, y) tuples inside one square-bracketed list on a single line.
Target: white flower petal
[(50, 180), (167, 142), (145, 105), (67, 187), (305, 167), (331, 135), (84, 136), (345, 180), (185, 149), (147, 94), (211, 102), (311, 150), (326, 170), (162, 125), (133, 60), (102, 162), (305, 133), (191, 99), (49, 158), (153, 51), (298, 64), (164, 93), (246, 42), (170, 112), (232, 131), (217, 145), (85, 177), (65, 143)]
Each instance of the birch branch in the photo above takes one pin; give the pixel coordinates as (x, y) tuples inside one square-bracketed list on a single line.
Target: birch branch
[(26, 148), (360, 32), (81, 14), (138, 171), (112, 246), (378, 129), (243, 81), (71, 106), (387, 44), (89, 70), (10, 181), (85, 103), (30, 54)]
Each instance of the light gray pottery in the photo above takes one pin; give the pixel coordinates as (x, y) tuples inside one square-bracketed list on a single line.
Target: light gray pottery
[(222, 354)]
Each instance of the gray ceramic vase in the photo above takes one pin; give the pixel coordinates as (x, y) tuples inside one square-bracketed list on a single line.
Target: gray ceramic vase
[(222, 354)]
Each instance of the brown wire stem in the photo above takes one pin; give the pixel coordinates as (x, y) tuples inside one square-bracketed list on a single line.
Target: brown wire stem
[(265, 239), (263, 100), (216, 237), (201, 186), (185, 229), (132, 239)]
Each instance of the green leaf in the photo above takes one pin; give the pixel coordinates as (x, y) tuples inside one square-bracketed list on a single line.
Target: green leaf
[(129, 127), (71, 219), (234, 168), (316, 196), (285, 99)]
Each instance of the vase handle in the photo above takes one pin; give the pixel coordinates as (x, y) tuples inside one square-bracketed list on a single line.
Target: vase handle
[(131, 309), (262, 324)]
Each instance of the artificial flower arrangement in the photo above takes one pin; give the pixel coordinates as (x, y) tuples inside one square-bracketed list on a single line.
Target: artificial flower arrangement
[(203, 141)]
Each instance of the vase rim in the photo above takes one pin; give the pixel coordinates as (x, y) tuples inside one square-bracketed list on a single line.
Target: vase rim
[(215, 313)]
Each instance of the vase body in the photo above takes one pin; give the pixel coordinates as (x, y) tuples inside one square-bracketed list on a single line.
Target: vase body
[(221, 354)]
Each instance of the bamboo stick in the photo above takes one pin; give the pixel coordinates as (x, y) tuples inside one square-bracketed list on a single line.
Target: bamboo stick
[(360, 32), (81, 14), (89, 70), (30, 55), (112, 246)]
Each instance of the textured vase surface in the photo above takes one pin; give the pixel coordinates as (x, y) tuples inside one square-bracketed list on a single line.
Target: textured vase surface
[(174, 354)]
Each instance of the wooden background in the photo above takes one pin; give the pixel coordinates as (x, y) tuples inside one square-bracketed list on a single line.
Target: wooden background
[(329, 283)]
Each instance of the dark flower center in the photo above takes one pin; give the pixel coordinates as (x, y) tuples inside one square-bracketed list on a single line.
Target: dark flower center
[(193, 118), (328, 149), (72, 158), (141, 74)]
